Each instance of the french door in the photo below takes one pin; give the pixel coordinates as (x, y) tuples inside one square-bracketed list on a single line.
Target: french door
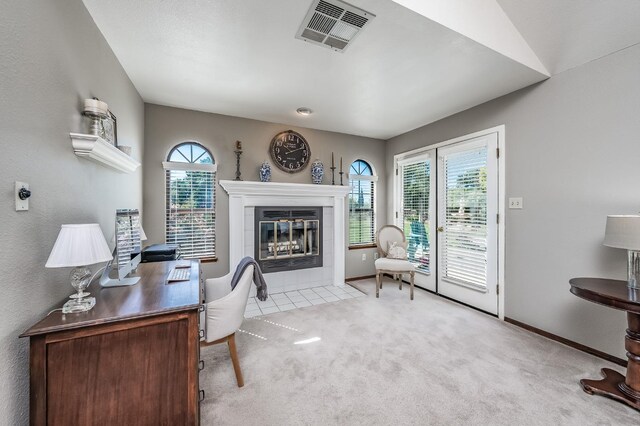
[(417, 214), (448, 207), (467, 222)]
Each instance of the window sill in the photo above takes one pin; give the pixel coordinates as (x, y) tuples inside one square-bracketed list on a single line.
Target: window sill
[(363, 246)]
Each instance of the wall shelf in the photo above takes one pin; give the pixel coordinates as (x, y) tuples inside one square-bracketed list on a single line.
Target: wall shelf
[(95, 148)]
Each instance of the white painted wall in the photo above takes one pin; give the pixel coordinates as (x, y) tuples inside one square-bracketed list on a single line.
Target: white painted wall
[(572, 153), (53, 57)]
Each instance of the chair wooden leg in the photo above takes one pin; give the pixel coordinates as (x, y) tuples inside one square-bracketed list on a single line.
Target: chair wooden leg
[(378, 284), (400, 276), (412, 275), (234, 358)]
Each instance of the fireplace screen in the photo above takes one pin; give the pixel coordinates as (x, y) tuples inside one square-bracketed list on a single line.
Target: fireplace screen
[(288, 239)]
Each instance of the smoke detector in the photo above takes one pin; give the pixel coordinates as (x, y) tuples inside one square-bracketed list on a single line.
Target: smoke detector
[(333, 24)]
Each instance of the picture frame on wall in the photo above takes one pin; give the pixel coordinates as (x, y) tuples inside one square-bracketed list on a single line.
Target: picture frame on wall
[(110, 129)]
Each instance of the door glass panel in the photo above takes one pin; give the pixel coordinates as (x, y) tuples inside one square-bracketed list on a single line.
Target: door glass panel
[(297, 237), (313, 238), (266, 243), (283, 239), (415, 213), (464, 248)]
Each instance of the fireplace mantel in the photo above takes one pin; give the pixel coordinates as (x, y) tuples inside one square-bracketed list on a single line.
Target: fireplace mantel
[(243, 194), (241, 187)]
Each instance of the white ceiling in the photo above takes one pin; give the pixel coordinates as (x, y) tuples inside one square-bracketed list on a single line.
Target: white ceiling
[(240, 58), (568, 33)]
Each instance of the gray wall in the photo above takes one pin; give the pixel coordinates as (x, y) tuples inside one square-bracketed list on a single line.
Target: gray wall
[(165, 127), (572, 152), (53, 56)]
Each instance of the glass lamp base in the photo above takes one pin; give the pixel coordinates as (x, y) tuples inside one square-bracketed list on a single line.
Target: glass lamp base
[(78, 305), (80, 295)]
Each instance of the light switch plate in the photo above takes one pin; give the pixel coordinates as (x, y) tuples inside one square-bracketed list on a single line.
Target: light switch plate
[(21, 205), (515, 203)]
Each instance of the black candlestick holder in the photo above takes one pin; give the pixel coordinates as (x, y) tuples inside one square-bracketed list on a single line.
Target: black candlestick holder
[(333, 175), (238, 154), (341, 173)]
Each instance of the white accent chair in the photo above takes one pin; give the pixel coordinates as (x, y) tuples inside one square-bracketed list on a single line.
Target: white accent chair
[(384, 265), (225, 313)]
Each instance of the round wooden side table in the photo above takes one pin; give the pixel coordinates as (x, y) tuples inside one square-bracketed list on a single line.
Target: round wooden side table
[(615, 294)]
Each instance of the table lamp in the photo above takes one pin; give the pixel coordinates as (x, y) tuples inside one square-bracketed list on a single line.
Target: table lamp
[(78, 246), (623, 231)]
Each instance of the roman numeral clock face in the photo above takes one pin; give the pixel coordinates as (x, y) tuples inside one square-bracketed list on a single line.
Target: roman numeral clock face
[(290, 151)]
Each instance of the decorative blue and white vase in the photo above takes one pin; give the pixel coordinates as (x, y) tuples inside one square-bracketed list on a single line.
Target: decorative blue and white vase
[(317, 172), (265, 172)]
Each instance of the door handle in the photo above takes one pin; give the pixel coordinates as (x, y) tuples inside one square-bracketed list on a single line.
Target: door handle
[(440, 229)]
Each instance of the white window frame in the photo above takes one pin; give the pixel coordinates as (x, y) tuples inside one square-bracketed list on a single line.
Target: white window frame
[(175, 165), (373, 178)]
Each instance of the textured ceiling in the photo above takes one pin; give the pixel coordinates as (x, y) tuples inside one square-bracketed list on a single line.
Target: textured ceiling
[(240, 58)]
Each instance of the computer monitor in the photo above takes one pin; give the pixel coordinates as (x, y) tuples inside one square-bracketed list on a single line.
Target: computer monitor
[(127, 252)]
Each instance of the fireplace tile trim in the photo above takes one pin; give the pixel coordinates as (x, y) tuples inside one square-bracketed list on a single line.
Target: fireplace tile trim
[(244, 194)]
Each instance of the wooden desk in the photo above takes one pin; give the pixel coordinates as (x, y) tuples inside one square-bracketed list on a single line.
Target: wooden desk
[(132, 359), (615, 294)]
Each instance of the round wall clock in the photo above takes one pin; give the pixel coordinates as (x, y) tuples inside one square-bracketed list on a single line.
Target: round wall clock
[(290, 151)]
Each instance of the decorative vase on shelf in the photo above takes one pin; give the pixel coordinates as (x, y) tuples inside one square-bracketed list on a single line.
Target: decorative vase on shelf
[(317, 172), (265, 172)]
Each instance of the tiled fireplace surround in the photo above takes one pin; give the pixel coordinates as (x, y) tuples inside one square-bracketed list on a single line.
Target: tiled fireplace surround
[(245, 196)]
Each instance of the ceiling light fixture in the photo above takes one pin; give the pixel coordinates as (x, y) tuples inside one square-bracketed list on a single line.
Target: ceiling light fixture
[(304, 111)]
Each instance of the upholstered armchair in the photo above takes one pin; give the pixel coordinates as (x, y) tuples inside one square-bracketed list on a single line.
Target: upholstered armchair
[(386, 236), (225, 313)]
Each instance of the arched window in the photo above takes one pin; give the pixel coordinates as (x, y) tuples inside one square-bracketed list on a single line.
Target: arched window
[(362, 222), (190, 200)]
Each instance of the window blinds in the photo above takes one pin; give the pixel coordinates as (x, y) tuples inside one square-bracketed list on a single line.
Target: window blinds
[(190, 210), (415, 212), (361, 211), (464, 248)]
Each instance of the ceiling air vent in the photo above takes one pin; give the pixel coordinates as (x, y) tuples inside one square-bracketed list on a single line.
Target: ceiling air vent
[(333, 24)]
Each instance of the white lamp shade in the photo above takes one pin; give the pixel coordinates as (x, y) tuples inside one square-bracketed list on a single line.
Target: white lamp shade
[(623, 231), (79, 245)]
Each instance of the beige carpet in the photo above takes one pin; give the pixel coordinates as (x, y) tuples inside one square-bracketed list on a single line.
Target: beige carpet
[(390, 361)]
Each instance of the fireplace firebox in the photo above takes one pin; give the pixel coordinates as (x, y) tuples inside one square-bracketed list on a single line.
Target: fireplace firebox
[(288, 238)]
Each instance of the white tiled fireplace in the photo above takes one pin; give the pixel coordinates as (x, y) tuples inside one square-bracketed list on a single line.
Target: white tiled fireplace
[(245, 196)]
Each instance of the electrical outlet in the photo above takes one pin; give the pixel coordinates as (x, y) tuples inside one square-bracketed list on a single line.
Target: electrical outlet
[(515, 203), (375, 256), (364, 256)]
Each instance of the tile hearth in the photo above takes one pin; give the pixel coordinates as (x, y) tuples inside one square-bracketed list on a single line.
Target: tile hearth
[(280, 302)]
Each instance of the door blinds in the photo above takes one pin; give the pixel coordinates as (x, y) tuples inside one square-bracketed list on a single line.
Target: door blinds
[(190, 211), (464, 247), (415, 212)]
